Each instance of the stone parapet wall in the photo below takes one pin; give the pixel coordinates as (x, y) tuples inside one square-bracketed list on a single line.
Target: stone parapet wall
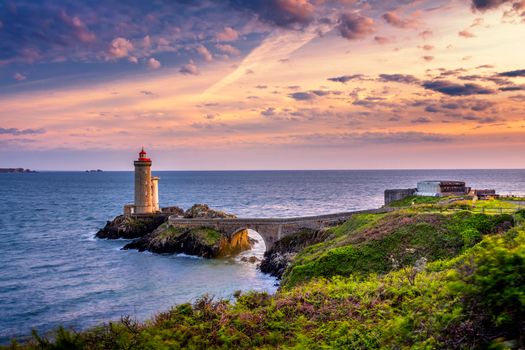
[(270, 229), (398, 194)]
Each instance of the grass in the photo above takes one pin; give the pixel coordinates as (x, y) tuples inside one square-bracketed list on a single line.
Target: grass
[(402, 280), (414, 200), (207, 236), (473, 300), (390, 241)]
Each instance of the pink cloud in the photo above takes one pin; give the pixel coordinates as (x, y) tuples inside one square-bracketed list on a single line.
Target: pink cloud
[(153, 64), (466, 34), (19, 76), (120, 47), (203, 51), (227, 49), (189, 68), (395, 20), (228, 34), (355, 26)]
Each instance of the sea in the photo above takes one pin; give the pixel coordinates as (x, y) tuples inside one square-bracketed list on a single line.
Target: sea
[(54, 272)]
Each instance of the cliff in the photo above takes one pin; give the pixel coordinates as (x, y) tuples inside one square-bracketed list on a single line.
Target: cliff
[(414, 279), (129, 227), (279, 257), (151, 233), (204, 242)]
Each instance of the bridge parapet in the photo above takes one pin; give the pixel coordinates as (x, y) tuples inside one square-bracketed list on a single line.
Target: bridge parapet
[(270, 229)]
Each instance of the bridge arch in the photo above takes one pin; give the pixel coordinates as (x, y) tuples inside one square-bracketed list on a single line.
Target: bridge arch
[(267, 239)]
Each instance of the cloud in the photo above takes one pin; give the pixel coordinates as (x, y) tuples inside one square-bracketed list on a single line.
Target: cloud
[(399, 78), (427, 47), (512, 88), (345, 78), (153, 63), (228, 34), (79, 29), (428, 58), (16, 131), (120, 47), (452, 89), (487, 66), (513, 73), (382, 40), (466, 34), (481, 120), (303, 96), (284, 13), (268, 112), (227, 49), (395, 20), (426, 34), (431, 109), (355, 26), (421, 120), (483, 5), (19, 76), (189, 68), (339, 139), (203, 51)]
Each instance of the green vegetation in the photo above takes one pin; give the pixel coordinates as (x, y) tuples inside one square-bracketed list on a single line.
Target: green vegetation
[(402, 280), (391, 241), (207, 236), (414, 200)]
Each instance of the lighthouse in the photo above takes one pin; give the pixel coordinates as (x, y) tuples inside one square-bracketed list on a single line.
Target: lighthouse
[(146, 188)]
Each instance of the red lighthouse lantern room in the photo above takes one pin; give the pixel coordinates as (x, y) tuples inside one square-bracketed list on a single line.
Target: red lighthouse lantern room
[(143, 157)]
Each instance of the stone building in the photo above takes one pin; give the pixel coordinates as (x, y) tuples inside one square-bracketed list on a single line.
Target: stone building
[(146, 188), (429, 188), (441, 188)]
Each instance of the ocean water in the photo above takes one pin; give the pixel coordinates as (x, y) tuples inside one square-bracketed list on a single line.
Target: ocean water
[(54, 272)]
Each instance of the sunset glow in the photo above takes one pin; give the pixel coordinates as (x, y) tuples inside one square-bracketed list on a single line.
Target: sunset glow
[(281, 84)]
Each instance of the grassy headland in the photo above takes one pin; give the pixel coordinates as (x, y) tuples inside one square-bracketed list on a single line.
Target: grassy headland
[(429, 276)]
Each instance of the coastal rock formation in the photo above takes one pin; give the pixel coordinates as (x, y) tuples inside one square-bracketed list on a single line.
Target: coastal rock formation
[(152, 233), (204, 242), (129, 227), (278, 258), (203, 211)]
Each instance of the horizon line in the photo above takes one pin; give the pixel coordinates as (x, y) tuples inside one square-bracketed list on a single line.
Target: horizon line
[(260, 170)]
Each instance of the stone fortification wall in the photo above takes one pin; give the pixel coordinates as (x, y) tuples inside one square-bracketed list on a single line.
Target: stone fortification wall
[(398, 194)]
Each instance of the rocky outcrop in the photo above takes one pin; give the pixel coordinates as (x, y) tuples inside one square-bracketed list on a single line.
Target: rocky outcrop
[(204, 242), (152, 233), (174, 211), (203, 211), (130, 227), (278, 258)]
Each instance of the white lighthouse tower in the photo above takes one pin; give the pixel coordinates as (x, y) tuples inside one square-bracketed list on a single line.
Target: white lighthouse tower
[(146, 188)]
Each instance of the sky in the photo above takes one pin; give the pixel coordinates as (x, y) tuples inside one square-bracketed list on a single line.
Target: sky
[(262, 84)]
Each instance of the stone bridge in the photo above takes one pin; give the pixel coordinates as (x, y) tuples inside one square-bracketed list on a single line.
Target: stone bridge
[(270, 229)]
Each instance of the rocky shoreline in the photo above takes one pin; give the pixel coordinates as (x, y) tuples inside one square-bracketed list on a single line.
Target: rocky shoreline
[(279, 257), (152, 233)]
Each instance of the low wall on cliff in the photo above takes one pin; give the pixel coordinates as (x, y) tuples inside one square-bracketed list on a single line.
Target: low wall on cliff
[(398, 194)]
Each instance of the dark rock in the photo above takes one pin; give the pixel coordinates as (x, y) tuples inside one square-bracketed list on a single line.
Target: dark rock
[(203, 211), (174, 210), (252, 259), (203, 242), (279, 257), (129, 227)]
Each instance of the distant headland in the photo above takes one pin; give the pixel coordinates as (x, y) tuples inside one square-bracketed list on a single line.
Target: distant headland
[(16, 170)]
